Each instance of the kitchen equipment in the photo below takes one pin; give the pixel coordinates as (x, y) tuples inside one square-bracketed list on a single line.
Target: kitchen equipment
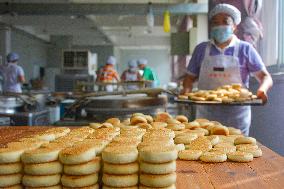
[(10, 104), (39, 118), (4, 121), (120, 106), (54, 113)]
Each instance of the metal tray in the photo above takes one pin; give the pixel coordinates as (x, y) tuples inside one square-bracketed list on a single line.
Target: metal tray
[(255, 102)]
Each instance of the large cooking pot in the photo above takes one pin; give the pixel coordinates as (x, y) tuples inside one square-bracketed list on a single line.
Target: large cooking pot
[(10, 104), (101, 108)]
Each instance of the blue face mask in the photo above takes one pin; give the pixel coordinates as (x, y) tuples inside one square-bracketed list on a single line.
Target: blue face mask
[(221, 33), (132, 69)]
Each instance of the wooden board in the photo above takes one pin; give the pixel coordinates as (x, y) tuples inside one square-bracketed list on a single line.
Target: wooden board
[(255, 102), (266, 172)]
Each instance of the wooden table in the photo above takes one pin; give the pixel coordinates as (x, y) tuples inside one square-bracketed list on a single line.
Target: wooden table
[(266, 172)]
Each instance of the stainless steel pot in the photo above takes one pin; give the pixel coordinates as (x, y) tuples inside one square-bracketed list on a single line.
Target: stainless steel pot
[(10, 104)]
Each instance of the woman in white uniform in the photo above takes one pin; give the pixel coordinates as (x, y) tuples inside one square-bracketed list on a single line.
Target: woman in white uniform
[(225, 60), (13, 74), (131, 74)]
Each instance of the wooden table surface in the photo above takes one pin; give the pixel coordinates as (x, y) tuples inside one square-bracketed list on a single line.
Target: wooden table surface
[(266, 172)]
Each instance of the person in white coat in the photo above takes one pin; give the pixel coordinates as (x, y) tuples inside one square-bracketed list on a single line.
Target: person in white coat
[(13, 74), (226, 60), (131, 74)]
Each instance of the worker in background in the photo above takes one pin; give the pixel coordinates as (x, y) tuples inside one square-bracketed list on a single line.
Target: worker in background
[(13, 74), (148, 73), (131, 74), (225, 60), (109, 74)]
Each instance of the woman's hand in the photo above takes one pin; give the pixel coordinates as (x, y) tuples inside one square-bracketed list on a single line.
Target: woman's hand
[(261, 94)]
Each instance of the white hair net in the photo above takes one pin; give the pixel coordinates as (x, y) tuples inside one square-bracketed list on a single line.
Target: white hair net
[(228, 9), (111, 60), (142, 61), (132, 63)]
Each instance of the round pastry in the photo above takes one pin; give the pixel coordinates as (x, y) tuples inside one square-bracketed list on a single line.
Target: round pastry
[(26, 145), (211, 97), (137, 119), (158, 180), (49, 168), (16, 186), (213, 139), (145, 126), (255, 152), (223, 144), (205, 125), (90, 167), (10, 155), (173, 186), (158, 168), (185, 138), (125, 139), (149, 118), (175, 126), (113, 121), (83, 130), (41, 181), (213, 157), (58, 131), (40, 155), (239, 156), (245, 140), (225, 149), (201, 143), (10, 168), (95, 125), (205, 131), (120, 180), (244, 147), (126, 121), (237, 86), (156, 154), (59, 144), (46, 187), (162, 117), (180, 147), (120, 155), (182, 118), (138, 114), (97, 146), (77, 154), (234, 131), (219, 130), (110, 187), (172, 121), (10, 180), (190, 154), (106, 125), (192, 125), (159, 125), (196, 98), (200, 120), (79, 181), (46, 136), (197, 132), (121, 169), (227, 100), (229, 139), (161, 143), (95, 186)]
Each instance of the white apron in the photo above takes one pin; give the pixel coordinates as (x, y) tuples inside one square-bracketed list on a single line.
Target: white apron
[(221, 70), (129, 76)]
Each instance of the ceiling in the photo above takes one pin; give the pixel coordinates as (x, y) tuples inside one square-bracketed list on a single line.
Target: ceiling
[(95, 22)]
